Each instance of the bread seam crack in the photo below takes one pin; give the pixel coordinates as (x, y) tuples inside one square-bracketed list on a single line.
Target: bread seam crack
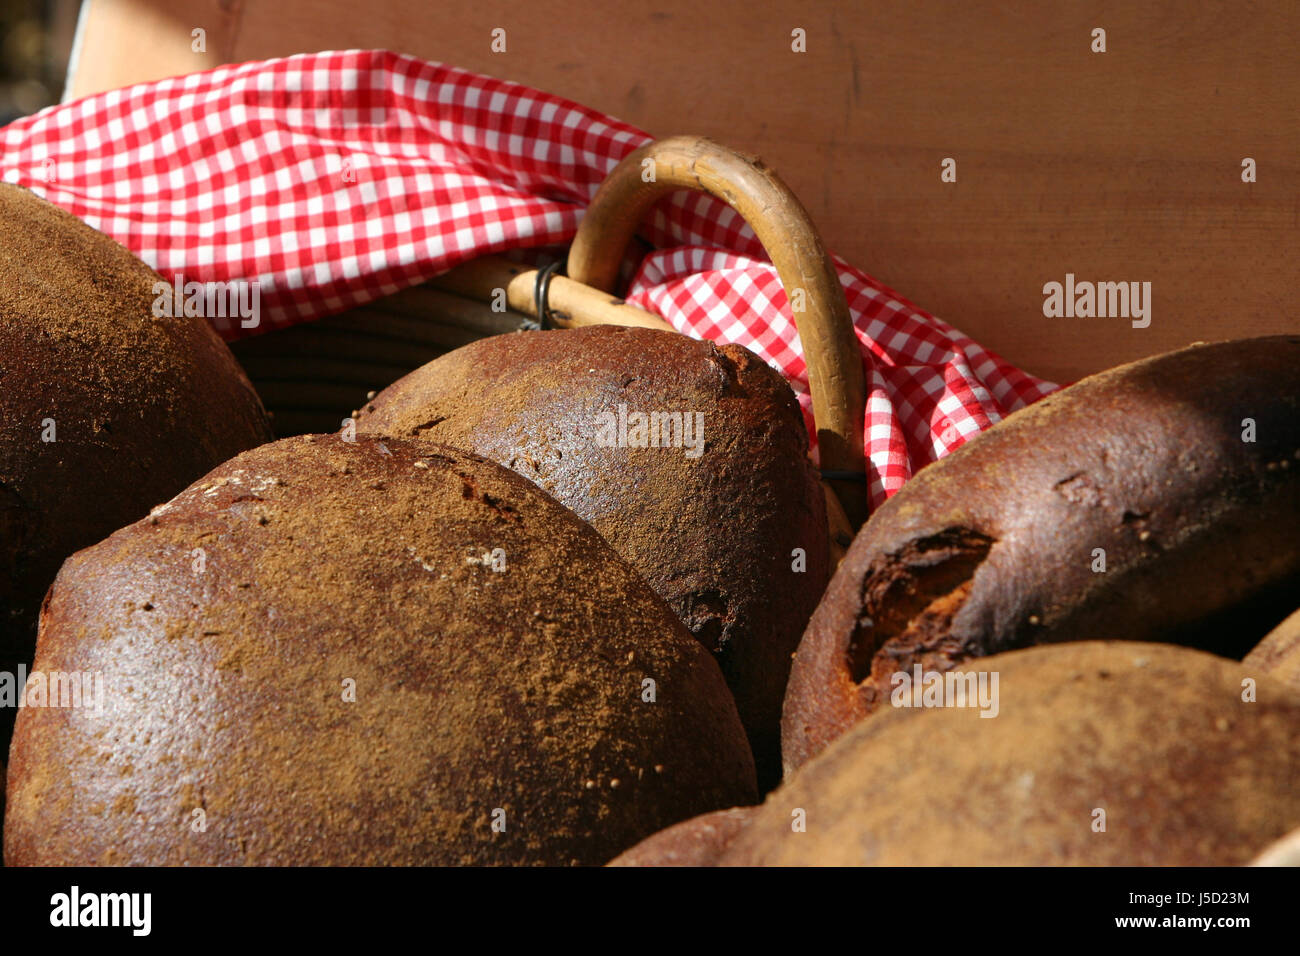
[(909, 599)]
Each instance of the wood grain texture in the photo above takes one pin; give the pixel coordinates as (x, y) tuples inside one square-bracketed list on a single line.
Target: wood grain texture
[(572, 304), (1117, 166)]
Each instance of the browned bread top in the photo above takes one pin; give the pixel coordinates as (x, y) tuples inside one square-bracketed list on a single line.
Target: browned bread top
[(1285, 852), (1278, 654), (1128, 506), (496, 649), (1100, 754), (699, 841), (714, 532), (136, 406)]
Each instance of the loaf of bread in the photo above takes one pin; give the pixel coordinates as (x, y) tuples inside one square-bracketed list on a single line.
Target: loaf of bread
[(369, 653), (699, 841), (728, 524), (1278, 654), (106, 409), (1285, 852), (1156, 501), (1100, 754)]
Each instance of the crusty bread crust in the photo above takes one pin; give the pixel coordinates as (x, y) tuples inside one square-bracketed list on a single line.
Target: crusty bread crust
[(483, 679), (1101, 754), (139, 405), (1278, 654), (1285, 852), (699, 841), (998, 545), (714, 535)]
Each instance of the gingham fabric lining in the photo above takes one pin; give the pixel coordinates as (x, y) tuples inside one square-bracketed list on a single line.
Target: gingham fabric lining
[(333, 179)]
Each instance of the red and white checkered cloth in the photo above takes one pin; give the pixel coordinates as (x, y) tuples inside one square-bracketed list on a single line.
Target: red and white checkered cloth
[(337, 178)]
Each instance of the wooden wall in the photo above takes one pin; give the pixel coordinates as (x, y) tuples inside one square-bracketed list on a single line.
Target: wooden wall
[(1123, 165)]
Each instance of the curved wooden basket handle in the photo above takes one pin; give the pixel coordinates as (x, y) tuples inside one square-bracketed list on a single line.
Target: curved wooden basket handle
[(830, 345)]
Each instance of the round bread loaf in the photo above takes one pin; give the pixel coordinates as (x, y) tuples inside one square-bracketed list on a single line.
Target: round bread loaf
[(731, 531), (1156, 501), (1285, 852), (1278, 654), (1100, 754), (328, 652), (105, 409), (695, 842)]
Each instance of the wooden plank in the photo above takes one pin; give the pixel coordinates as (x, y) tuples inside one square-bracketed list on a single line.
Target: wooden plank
[(134, 41), (1122, 166)]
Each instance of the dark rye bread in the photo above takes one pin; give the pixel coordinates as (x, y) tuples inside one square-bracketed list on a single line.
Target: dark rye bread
[(714, 534), (1278, 654), (140, 406), (476, 689), (1153, 742), (699, 841), (998, 545)]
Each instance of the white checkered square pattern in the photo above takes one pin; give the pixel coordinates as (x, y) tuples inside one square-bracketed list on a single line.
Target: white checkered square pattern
[(335, 178)]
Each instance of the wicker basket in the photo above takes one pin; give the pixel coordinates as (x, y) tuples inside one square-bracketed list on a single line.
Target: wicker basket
[(314, 375)]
